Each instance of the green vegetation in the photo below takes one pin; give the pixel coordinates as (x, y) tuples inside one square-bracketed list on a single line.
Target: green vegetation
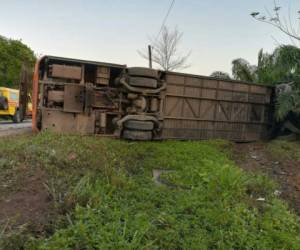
[(277, 19), (105, 198), (285, 149), (220, 75), (13, 54), (281, 66)]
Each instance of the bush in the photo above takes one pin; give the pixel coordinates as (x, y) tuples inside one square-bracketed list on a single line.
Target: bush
[(13, 54)]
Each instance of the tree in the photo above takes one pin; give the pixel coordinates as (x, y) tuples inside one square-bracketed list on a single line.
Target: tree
[(288, 102), (13, 55), (280, 22), (165, 50), (220, 75), (281, 66), (243, 71)]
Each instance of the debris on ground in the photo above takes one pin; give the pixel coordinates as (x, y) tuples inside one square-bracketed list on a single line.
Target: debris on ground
[(257, 157)]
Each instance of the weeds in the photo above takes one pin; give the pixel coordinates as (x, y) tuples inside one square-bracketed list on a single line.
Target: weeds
[(285, 149), (110, 201)]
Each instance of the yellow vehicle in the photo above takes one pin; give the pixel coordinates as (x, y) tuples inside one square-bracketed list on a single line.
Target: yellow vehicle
[(10, 105)]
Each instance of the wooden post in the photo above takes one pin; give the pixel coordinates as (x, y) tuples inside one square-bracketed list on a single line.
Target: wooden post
[(150, 56)]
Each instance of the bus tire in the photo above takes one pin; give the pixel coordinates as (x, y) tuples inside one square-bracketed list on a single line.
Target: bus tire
[(139, 125), (135, 135), (17, 117), (143, 82), (145, 72)]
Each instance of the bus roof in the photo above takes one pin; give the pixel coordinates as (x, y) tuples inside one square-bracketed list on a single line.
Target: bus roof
[(9, 89)]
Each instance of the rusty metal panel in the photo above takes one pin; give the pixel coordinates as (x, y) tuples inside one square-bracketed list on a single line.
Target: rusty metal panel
[(65, 71), (55, 96), (85, 124), (239, 97), (73, 98), (209, 83), (193, 81), (223, 112), (103, 72), (102, 75), (209, 93), (258, 89), (193, 91), (176, 90), (175, 79), (240, 87), (207, 110), (102, 81), (58, 121), (61, 122), (239, 112), (214, 109), (190, 107), (257, 98), (225, 95), (173, 106), (226, 85)]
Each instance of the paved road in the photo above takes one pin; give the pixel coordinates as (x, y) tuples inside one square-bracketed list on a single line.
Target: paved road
[(10, 128)]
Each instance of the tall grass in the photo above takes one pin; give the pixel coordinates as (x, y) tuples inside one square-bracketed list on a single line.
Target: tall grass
[(110, 200)]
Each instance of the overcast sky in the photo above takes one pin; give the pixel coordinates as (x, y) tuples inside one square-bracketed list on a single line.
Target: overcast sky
[(216, 31)]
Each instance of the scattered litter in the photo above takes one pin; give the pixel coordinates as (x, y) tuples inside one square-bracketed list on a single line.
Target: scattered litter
[(72, 157), (261, 199), (156, 175), (277, 192), (254, 157), (282, 173)]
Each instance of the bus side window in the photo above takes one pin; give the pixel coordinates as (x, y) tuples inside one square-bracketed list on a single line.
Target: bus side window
[(13, 96)]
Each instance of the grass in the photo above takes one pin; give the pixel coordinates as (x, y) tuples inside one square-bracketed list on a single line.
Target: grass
[(105, 196), (289, 150)]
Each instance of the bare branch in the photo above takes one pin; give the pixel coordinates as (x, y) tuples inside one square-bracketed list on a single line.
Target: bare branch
[(279, 22), (165, 50)]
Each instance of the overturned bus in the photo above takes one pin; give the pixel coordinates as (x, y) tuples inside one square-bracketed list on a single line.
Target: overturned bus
[(85, 97)]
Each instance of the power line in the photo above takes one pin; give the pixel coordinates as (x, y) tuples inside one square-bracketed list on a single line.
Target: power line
[(160, 30), (165, 19)]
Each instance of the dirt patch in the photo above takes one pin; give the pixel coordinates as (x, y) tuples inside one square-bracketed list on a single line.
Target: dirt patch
[(29, 205), (255, 157)]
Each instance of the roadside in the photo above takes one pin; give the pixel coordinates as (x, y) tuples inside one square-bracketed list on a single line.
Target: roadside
[(77, 192), (278, 159), (8, 128)]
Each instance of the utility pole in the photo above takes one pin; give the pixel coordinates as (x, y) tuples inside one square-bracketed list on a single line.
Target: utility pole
[(150, 56)]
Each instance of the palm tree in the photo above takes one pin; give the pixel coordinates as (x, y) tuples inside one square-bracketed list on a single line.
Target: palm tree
[(282, 66), (242, 70)]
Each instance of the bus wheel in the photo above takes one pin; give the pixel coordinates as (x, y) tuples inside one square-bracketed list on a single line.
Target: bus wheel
[(17, 117), (139, 125), (137, 135)]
